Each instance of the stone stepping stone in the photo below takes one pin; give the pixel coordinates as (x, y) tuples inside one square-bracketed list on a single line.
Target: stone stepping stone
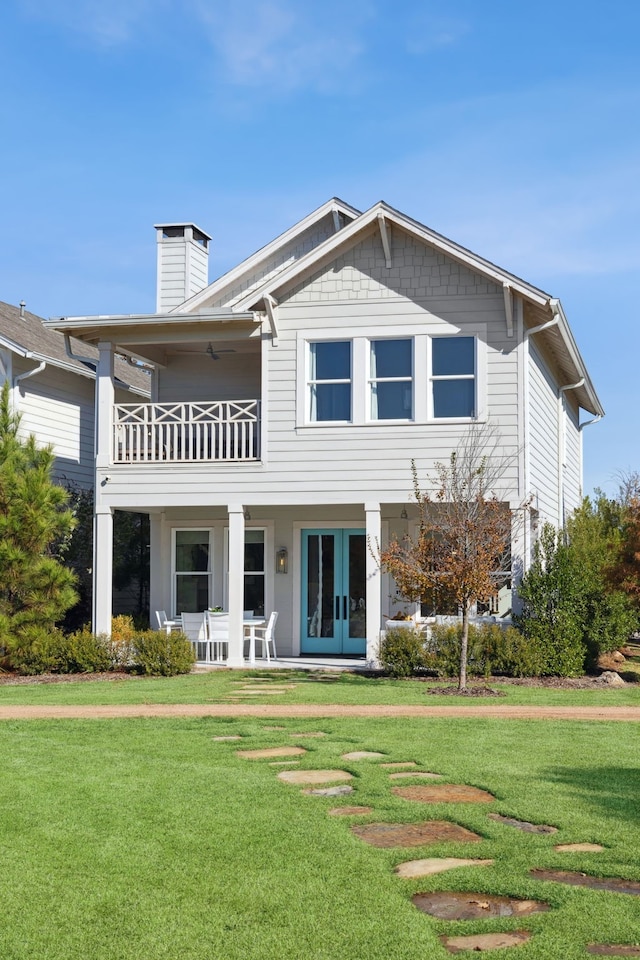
[(416, 774), (454, 905), (270, 752), (222, 739), (578, 848), (444, 793), (399, 765), (349, 811), (424, 868), (307, 734), (613, 949), (362, 755), (329, 792), (523, 824), (574, 879), (414, 834), (485, 941), (313, 776)]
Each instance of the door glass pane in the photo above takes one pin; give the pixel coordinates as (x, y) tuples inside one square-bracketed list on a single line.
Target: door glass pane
[(357, 585), (320, 585)]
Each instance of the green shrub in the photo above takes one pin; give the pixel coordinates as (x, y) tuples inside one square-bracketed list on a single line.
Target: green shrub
[(156, 653), (83, 652), (36, 650), (402, 651), (493, 650)]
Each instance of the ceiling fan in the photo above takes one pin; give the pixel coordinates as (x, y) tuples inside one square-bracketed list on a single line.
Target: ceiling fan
[(215, 354)]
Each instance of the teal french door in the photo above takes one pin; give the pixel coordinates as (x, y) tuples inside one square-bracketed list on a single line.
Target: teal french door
[(333, 592)]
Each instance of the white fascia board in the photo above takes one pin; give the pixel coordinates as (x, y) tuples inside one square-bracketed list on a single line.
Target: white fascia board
[(39, 357), (95, 323), (265, 252), (440, 243), (578, 362)]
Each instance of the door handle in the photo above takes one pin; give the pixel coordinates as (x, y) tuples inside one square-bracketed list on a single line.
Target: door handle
[(337, 608), (345, 609)]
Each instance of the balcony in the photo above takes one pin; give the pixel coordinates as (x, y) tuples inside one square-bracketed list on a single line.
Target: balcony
[(220, 431)]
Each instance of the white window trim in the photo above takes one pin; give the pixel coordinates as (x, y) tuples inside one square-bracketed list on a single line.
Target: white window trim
[(479, 378), (310, 381), (371, 381), (175, 572), (422, 380)]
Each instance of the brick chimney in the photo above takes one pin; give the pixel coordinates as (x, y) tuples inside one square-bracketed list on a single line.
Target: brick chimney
[(183, 263)]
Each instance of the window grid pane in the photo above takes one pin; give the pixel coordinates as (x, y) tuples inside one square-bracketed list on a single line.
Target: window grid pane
[(391, 381)]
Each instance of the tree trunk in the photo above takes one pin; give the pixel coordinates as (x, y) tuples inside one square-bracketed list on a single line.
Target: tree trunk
[(464, 649)]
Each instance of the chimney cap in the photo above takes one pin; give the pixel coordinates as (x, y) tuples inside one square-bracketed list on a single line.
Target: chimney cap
[(184, 224)]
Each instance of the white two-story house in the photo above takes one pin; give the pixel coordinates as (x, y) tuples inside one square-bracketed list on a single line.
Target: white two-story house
[(289, 398)]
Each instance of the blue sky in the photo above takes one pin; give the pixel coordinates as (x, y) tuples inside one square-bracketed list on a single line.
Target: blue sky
[(511, 128)]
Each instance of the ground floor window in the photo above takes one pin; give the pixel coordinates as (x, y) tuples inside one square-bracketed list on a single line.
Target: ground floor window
[(254, 571), (192, 571)]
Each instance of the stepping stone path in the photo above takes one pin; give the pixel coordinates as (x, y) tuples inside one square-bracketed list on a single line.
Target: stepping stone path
[(313, 776), (362, 755), (613, 950), (578, 848), (523, 824), (414, 834), (349, 811), (413, 869), (416, 774), (269, 752), (312, 733), (329, 792), (616, 884), (444, 793), (485, 941), (397, 766), (221, 739), (283, 763), (474, 906)]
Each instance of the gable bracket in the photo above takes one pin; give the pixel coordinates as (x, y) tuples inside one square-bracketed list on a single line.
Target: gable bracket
[(336, 219), (386, 240), (508, 307), (272, 312)]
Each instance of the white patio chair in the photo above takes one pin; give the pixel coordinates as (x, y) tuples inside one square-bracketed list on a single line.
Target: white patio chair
[(217, 629), (266, 635), (165, 624), (193, 626)]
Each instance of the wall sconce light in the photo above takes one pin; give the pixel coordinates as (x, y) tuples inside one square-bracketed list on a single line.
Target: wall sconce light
[(282, 560), (404, 515), (247, 515)]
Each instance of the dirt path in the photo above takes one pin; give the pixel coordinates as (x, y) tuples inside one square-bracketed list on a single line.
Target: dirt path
[(274, 711)]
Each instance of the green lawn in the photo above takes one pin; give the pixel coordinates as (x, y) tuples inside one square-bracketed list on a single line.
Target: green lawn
[(146, 839), (346, 688)]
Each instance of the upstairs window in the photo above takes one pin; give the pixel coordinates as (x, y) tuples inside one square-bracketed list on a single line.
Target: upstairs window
[(330, 380), (453, 377), (391, 380)]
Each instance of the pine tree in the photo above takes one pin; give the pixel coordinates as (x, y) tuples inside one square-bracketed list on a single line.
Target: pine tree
[(35, 588)]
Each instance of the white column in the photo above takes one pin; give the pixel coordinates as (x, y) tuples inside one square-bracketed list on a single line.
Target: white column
[(158, 578), (104, 405), (102, 570), (236, 585), (374, 579)]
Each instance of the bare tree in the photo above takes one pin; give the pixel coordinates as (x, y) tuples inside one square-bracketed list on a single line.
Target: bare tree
[(463, 542)]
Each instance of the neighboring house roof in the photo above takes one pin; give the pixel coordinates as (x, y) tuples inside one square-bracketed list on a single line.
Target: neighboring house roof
[(25, 334)]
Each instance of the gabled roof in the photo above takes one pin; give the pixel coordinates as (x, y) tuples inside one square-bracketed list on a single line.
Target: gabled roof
[(25, 334), (251, 265)]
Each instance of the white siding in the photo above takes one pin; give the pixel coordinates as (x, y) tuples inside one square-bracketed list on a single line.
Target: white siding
[(572, 458), (235, 376), (57, 406), (543, 439)]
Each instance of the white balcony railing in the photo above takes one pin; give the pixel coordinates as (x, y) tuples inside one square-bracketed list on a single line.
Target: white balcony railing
[(221, 430)]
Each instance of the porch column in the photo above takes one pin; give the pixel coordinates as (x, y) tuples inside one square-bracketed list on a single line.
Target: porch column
[(236, 585), (104, 405), (374, 579), (102, 569)]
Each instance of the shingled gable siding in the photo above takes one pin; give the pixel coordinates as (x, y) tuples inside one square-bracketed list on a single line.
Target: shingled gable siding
[(284, 256), (543, 437)]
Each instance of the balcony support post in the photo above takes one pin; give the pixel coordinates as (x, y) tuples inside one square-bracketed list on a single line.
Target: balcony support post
[(236, 585)]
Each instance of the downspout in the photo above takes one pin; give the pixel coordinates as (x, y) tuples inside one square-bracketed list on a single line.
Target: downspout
[(561, 446), (25, 376), (74, 356), (587, 423)]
